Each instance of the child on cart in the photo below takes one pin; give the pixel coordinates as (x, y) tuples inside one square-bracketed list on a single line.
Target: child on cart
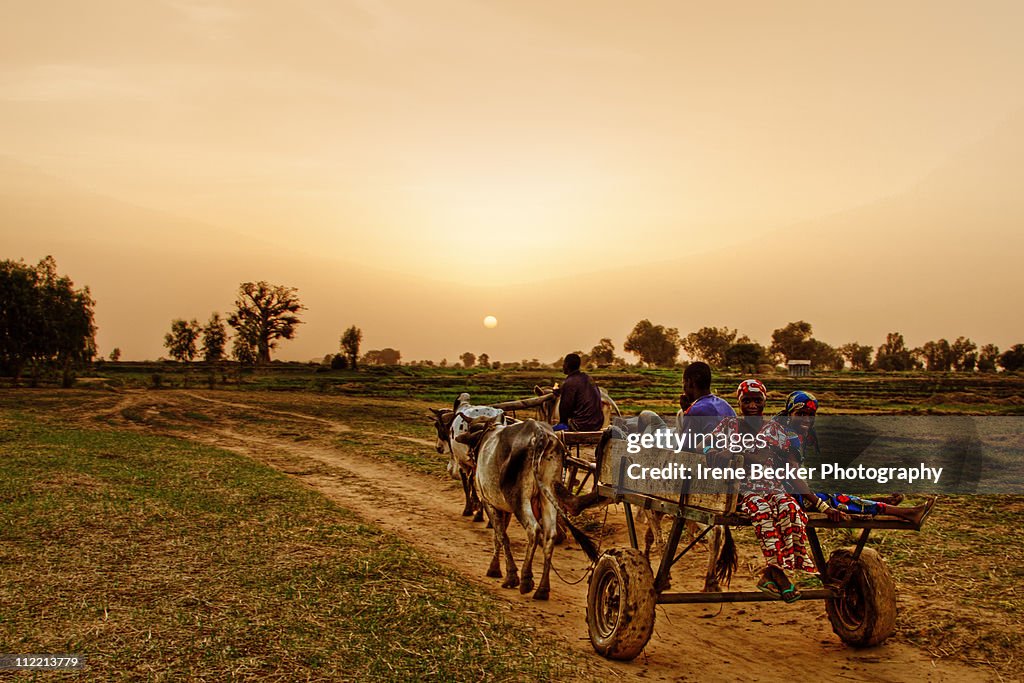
[(797, 418)]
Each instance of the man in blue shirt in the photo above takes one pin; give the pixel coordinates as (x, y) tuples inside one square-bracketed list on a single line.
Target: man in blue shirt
[(701, 410)]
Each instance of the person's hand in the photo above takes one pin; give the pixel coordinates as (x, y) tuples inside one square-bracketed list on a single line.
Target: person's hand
[(684, 401), (830, 512), (836, 515)]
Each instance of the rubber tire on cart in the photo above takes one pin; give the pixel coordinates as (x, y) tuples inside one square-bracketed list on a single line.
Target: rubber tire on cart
[(620, 604), (864, 614)]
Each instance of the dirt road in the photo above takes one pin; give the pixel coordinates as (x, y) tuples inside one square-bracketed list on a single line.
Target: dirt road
[(752, 641)]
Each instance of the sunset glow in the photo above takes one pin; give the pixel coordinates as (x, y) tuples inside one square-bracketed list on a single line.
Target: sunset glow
[(385, 157)]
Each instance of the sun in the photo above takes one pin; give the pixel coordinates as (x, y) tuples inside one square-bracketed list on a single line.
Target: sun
[(490, 322)]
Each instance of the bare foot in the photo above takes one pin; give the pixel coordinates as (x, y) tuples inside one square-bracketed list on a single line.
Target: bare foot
[(915, 515)]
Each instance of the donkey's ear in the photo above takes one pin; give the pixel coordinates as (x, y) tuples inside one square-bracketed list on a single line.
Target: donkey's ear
[(537, 390)]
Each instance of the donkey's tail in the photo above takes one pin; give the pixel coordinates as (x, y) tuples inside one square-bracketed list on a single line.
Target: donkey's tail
[(558, 495)]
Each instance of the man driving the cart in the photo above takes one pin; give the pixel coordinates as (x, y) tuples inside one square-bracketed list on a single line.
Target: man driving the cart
[(579, 405)]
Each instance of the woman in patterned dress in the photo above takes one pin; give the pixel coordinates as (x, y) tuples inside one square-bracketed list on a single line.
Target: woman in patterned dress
[(779, 521)]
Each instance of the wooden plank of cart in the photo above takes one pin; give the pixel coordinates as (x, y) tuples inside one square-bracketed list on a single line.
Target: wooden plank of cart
[(859, 592)]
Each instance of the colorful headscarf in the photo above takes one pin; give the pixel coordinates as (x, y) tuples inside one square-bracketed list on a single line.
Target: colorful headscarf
[(751, 386), (794, 402), (800, 399)]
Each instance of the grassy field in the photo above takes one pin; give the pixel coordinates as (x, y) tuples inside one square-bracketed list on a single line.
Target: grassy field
[(158, 558), (961, 576)]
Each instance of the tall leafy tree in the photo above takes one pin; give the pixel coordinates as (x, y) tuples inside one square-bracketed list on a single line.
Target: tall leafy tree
[(894, 354), (936, 355), (963, 355), (988, 357), (746, 355), (350, 341), (263, 314), (181, 340), (242, 351), (710, 344), (21, 325), (68, 323), (215, 337), (44, 320), (793, 342), (603, 353), (857, 355), (1013, 358), (468, 359), (656, 345), (824, 355)]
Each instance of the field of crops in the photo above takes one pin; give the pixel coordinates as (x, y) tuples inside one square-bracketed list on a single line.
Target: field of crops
[(633, 389)]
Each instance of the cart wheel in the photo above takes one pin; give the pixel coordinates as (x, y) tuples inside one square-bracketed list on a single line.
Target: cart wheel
[(864, 614), (620, 604)]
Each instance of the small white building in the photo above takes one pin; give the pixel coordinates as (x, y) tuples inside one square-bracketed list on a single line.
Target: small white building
[(799, 368)]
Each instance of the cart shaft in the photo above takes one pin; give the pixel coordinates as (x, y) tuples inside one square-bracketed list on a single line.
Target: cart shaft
[(738, 596)]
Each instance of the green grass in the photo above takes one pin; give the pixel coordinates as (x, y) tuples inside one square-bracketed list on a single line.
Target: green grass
[(157, 558), (633, 388)]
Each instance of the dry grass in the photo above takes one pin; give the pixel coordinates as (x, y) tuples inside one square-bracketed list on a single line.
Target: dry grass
[(960, 579), (157, 558), (966, 577)]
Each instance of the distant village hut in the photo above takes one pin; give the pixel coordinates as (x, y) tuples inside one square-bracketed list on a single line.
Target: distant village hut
[(799, 368)]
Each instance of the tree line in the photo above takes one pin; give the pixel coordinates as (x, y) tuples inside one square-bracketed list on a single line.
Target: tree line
[(263, 315), (47, 324), (722, 347)]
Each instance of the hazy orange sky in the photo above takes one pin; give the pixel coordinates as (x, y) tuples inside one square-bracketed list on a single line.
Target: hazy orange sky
[(414, 166)]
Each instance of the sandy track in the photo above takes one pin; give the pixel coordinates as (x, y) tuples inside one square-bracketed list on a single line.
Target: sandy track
[(753, 641)]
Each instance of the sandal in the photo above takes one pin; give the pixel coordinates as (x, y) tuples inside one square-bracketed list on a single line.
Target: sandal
[(790, 595), (769, 587), (926, 509)]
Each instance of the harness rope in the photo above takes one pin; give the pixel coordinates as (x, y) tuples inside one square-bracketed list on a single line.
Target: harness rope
[(589, 570)]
